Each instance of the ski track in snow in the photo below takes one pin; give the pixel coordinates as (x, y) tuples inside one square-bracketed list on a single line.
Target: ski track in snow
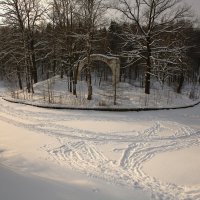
[(82, 150)]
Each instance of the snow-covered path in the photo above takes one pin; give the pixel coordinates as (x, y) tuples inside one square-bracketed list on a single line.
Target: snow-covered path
[(109, 146)]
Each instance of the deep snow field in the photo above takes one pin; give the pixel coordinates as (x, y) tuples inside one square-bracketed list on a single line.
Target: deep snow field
[(77, 155)]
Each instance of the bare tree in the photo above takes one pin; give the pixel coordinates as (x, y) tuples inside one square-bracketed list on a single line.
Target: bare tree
[(24, 16), (151, 19), (91, 14), (64, 40), (11, 49)]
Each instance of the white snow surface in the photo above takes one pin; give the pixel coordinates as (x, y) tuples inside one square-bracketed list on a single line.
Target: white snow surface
[(79, 155), (54, 91)]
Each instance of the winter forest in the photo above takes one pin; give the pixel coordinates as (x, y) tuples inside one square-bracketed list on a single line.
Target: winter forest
[(156, 44), (99, 100)]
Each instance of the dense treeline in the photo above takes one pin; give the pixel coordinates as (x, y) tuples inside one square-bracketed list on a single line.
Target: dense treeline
[(38, 41)]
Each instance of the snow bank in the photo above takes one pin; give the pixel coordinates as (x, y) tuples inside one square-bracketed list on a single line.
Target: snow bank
[(97, 108), (54, 91)]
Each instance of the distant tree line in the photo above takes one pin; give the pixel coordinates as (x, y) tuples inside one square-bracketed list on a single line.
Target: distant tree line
[(155, 41)]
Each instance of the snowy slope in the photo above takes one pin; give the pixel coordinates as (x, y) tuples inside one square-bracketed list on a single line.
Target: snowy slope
[(55, 92)]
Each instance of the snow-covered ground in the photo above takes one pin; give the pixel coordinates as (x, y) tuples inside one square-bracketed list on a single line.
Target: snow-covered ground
[(55, 91), (99, 155)]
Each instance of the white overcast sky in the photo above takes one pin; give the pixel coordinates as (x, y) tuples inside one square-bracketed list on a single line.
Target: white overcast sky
[(195, 5)]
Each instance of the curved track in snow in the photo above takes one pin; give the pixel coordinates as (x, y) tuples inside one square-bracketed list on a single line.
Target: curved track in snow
[(113, 146)]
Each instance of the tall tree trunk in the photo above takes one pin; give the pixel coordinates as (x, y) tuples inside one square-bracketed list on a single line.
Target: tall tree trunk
[(28, 71), (70, 80), (89, 82), (19, 78), (75, 77), (180, 84), (61, 72), (54, 66), (74, 87), (89, 78), (148, 68), (33, 59), (28, 79)]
